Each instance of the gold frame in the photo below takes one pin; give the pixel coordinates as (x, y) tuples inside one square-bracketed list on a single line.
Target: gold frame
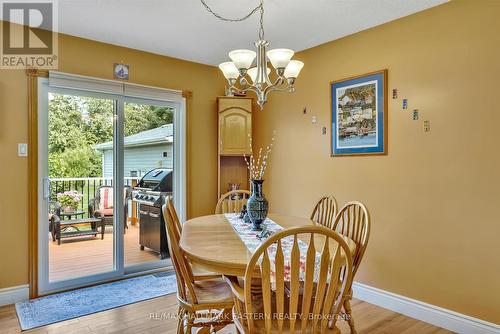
[(384, 72)]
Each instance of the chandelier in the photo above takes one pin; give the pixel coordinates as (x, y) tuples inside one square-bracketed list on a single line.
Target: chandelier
[(257, 79)]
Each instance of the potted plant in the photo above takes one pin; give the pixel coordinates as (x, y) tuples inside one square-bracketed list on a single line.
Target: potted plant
[(257, 205), (69, 200)]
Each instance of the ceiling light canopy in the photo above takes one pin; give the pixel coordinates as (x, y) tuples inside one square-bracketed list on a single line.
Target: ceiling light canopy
[(257, 79)]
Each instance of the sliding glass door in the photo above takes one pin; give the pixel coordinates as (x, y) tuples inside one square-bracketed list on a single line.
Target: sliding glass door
[(148, 148), (76, 123), (90, 144)]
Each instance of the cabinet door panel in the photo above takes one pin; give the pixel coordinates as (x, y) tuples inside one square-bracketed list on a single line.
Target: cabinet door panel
[(235, 129)]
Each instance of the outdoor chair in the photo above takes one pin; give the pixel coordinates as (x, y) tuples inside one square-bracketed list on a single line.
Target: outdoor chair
[(102, 205), (54, 214)]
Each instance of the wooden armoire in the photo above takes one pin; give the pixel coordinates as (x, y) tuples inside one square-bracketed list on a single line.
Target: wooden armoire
[(234, 139)]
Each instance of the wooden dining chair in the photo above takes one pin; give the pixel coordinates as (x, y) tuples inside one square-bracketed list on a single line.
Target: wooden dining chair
[(195, 296), (325, 211), (353, 221), (175, 217), (292, 305), (199, 273), (232, 202)]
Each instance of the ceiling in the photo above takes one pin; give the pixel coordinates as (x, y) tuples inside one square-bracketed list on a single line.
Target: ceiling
[(184, 29)]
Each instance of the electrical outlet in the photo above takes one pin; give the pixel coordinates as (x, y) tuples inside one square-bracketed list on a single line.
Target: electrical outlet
[(427, 126), (314, 120), (323, 130), (22, 150)]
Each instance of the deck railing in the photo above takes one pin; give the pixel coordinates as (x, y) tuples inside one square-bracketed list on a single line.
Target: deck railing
[(87, 186)]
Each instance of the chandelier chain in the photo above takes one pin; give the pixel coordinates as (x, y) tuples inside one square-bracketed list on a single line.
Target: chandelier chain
[(261, 28), (222, 18), (259, 8)]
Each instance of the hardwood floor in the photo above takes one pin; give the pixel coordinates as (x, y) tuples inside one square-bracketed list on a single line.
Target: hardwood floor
[(83, 256), (152, 317)]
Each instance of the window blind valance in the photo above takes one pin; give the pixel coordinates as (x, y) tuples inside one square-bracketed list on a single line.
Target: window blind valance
[(104, 86)]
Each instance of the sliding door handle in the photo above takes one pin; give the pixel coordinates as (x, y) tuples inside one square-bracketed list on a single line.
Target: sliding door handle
[(46, 188)]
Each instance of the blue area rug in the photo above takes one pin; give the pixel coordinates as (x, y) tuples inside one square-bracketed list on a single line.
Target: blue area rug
[(73, 304)]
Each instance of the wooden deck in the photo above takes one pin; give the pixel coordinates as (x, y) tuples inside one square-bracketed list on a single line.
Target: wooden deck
[(83, 256), (139, 318)]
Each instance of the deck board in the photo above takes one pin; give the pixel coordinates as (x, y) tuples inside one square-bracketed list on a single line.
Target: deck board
[(82, 256)]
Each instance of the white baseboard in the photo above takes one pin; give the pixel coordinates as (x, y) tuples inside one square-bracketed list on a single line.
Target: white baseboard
[(14, 294), (435, 315)]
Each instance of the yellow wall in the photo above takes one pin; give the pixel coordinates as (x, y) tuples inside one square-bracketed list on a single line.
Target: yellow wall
[(434, 199), (91, 58)]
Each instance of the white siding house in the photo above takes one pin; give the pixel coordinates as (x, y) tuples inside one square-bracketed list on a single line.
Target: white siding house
[(142, 152)]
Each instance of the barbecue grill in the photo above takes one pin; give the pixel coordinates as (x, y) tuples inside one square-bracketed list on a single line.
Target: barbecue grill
[(150, 194)]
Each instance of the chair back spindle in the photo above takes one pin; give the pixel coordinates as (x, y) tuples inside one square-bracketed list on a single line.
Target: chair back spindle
[(324, 211), (232, 202)]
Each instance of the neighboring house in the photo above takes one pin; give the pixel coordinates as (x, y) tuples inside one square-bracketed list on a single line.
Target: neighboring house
[(142, 152)]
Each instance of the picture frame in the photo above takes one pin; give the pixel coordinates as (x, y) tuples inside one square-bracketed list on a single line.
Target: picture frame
[(120, 71), (359, 115)]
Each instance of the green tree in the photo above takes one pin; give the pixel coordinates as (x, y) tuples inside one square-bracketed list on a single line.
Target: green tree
[(78, 123), (140, 117)]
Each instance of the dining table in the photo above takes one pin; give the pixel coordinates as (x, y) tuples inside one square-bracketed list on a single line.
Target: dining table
[(212, 243)]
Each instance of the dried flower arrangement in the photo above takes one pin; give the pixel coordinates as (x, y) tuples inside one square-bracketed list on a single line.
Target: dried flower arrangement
[(258, 167)]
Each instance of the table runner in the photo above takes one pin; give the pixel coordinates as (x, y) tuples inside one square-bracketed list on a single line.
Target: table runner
[(251, 241)]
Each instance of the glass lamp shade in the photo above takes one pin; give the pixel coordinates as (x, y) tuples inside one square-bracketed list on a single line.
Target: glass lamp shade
[(242, 59), (280, 57), (229, 70), (253, 74), (293, 69)]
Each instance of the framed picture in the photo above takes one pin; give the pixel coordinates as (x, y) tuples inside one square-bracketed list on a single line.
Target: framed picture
[(359, 115), (120, 71)]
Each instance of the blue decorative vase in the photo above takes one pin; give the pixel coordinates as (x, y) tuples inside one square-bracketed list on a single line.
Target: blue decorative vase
[(257, 205)]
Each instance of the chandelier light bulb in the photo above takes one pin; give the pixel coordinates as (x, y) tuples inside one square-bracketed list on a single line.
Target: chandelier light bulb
[(242, 59), (293, 69), (280, 57), (229, 70), (253, 74)]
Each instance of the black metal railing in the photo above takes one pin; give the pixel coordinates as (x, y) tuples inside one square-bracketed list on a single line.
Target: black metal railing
[(85, 186)]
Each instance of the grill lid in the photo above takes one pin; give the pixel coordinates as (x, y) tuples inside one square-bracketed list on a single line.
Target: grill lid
[(159, 179)]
